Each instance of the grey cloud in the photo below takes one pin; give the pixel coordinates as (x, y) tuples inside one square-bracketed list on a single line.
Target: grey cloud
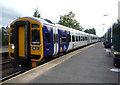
[(8, 15)]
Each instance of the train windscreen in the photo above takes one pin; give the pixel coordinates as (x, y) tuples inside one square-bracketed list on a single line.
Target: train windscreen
[(36, 37)]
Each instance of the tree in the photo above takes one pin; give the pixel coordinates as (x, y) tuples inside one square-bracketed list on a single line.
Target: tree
[(36, 13), (91, 31), (69, 20), (4, 36)]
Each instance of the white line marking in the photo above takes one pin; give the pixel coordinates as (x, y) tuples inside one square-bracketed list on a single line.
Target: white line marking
[(115, 69)]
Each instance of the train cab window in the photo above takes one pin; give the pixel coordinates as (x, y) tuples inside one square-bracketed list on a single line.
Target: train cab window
[(55, 38), (69, 38), (63, 37), (11, 36), (79, 38), (47, 36), (35, 37), (73, 39)]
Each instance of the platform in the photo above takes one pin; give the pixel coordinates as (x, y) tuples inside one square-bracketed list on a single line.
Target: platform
[(4, 49), (86, 65)]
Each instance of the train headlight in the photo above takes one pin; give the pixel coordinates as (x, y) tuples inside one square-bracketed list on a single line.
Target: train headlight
[(12, 47), (33, 48)]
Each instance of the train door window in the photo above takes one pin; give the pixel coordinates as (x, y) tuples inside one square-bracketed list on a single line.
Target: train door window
[(73, 39), (47, 36), (79, 38), (55, 38), (69, 38), (11, 36), (63, 37), (35, 37)]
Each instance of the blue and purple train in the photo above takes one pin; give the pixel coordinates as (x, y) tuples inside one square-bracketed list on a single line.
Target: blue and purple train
[(33, 39)]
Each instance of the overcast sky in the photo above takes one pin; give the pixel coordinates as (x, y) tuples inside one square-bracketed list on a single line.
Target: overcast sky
[(89, 13)]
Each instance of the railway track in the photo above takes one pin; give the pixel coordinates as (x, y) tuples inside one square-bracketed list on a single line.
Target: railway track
[(5, 61), (10, 76), (6, 65)]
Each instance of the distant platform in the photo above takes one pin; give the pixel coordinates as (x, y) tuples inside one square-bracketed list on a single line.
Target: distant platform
[(4, 49)]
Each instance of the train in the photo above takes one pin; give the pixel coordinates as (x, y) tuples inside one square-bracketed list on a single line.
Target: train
[(32, 40), (112, 42)]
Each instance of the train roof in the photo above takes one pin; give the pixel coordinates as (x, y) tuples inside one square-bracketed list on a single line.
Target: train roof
[(48, 22)]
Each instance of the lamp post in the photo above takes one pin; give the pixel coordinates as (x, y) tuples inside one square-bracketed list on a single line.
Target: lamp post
[(105, 15)]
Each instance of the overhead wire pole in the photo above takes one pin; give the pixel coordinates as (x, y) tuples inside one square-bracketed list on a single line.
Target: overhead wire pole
[(107, 30)]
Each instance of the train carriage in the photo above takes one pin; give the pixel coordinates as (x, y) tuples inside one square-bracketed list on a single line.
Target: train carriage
[(32, 39)]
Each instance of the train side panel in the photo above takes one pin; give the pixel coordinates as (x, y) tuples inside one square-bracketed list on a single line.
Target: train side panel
[(48, 41)]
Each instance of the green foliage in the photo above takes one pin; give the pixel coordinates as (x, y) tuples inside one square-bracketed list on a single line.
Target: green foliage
[(91, 31), (69, 20), (36, 13)]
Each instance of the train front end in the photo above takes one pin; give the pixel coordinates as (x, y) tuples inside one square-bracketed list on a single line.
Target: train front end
[(25, 42)]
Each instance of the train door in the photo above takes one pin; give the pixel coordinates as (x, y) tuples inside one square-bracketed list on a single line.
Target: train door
[(22, 40), (55, 32), (48, 41), (88, 40)]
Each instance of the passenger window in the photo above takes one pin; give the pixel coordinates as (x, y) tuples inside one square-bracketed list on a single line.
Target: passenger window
[(47, 35), (11, 36), (79, 38), (63, 37), (73, 39), (36, 37), (69, 38), (76, 38)]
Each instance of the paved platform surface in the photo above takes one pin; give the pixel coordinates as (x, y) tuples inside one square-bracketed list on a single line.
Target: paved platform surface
[(89, 66)]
